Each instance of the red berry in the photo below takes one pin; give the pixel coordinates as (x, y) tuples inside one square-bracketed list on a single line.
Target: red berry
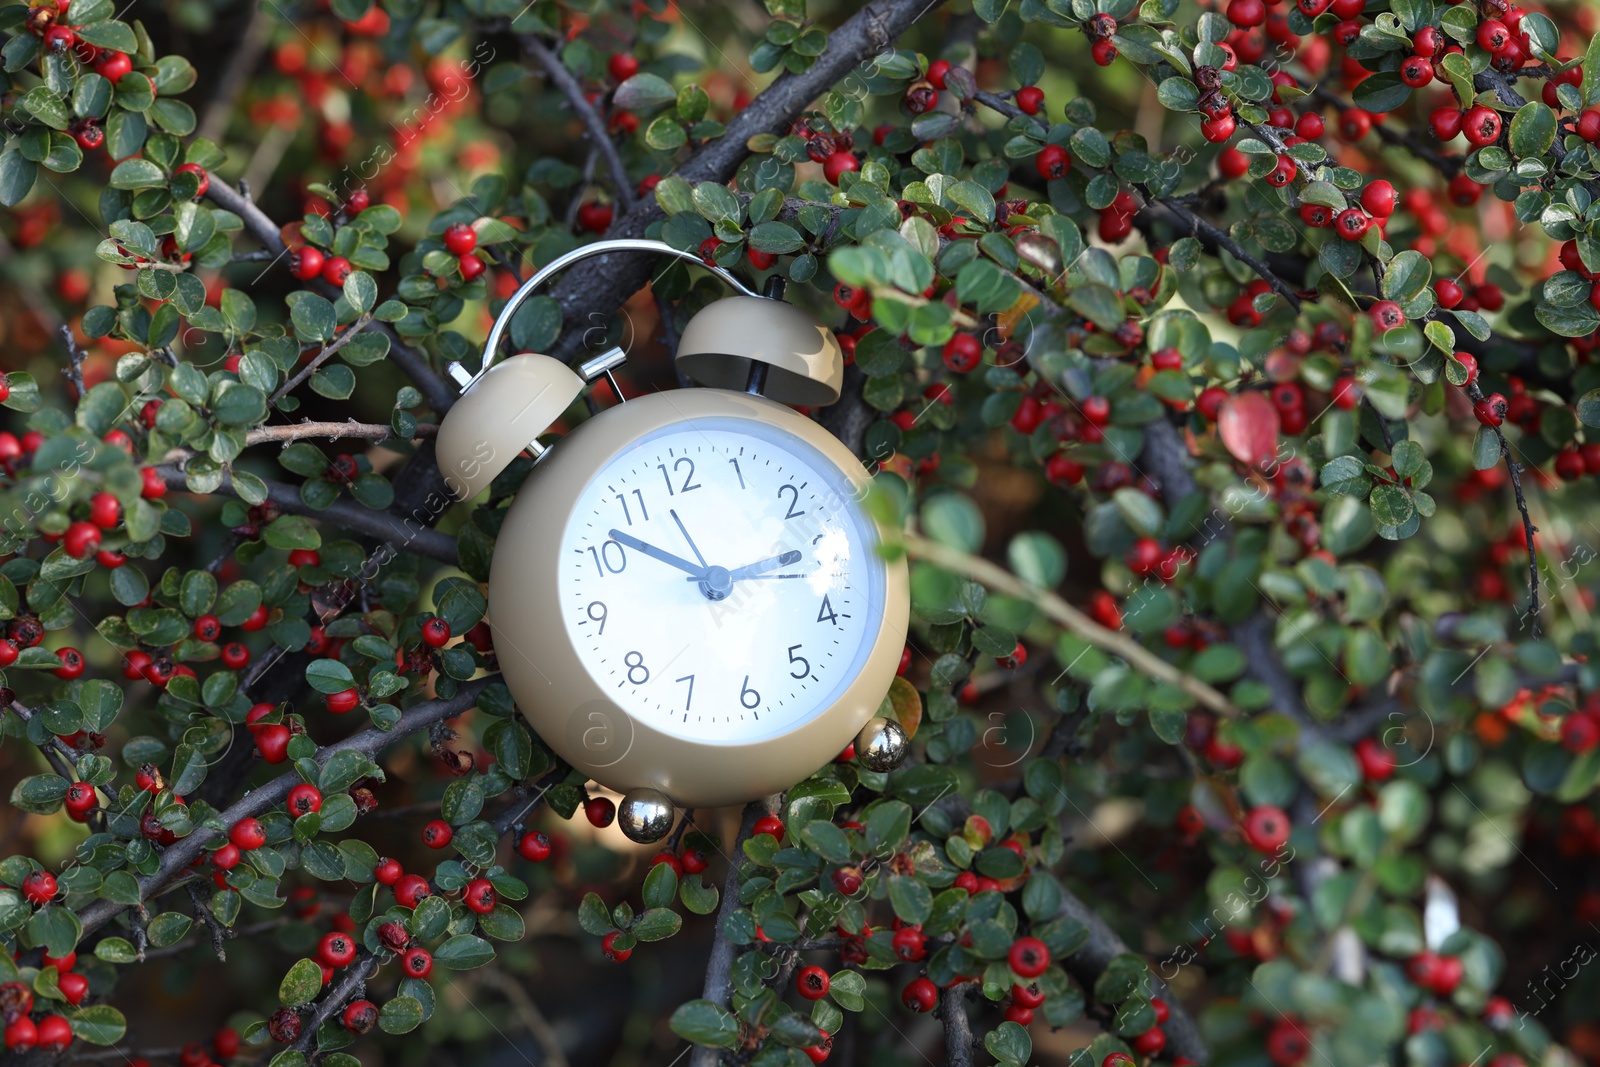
[(1028, 957), (21, 1035), (811, 983), (272, 741), (480, 896), (609, 949), (80, 801), (1052, 162), (336, 949), (55, 1033), (226, 858), (416, 962), (1386, 315), (838, 163), (105, 511), (1493, 36), (388, 871), (1378, 199), (919, 995), (1218, 129), (1491, 410), (1416, 71), (910, 943), (437, 834), (936, 73), (257, 619), (409, 890), (304, 799), (235, 656), (1377, 762), (471, 266), (1448, 293), (962, 353), (195, 168), (460, 238), (770, 825), (1266, 828), (595, 216), (81, 540), (1351, 224), (1589, 125), (360, 1016), (71, 664), (248, 834), (534, 846), (622, 65), (342, 701), (600, 811), (335, 270), (306, 263), (1480, 124), (435, 633), (1150, 1043), (1030, 98)]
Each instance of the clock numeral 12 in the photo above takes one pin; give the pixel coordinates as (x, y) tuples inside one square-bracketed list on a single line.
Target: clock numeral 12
[(688, 479)]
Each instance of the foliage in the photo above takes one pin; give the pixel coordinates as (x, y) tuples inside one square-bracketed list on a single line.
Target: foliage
[(1222, 472)]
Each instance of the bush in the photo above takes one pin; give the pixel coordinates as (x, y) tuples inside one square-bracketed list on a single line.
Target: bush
[(1274, 322)]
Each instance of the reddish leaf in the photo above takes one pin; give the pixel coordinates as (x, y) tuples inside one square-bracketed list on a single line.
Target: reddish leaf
[(1249, 426)]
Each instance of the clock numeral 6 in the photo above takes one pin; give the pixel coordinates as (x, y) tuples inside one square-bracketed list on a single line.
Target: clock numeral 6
[(747, 696), (801, 664), (634, 661)]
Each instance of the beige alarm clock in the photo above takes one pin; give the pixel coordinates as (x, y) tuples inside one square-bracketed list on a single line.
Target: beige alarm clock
[(687, 596)]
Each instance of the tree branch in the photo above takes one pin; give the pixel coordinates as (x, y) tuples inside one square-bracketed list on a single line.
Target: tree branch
[(719, 966), (957, 1027), (1475, 391), (563, 79), (1103, 945), (403, 534), (175, 860), (1064, 614), (602, 285)]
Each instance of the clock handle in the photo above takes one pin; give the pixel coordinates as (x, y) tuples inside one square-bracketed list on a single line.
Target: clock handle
[(466, 379)]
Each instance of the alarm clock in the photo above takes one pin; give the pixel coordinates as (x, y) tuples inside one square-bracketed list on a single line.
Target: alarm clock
[(688, 598)]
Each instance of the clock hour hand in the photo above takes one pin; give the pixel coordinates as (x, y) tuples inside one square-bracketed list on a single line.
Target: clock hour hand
[(755, 570), (695, 570)]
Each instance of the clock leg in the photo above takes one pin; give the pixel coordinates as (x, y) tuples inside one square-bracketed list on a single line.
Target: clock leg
[(646, 815), (882, 744)]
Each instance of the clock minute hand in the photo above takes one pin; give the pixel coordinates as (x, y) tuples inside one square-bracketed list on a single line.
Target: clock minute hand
[(653, 552), (755, 570)]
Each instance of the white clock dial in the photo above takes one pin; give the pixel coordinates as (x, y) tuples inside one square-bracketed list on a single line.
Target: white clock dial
[(720, 581)]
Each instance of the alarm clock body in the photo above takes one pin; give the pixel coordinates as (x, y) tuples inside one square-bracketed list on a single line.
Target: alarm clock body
[(687, 595)]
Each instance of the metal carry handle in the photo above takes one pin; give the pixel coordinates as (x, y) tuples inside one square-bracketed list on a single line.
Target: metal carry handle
[(467, 380)]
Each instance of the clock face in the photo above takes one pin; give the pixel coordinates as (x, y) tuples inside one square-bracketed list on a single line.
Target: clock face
[(720, 581)]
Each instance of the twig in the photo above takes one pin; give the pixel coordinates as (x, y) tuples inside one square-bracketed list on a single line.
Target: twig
[(219, 933), (1058, 610), (1528, 528), (563, 79), (61, 758), (236, 73), (175, 860), (75, 357), (439, 395), (537, 1025), (327, 353), (719, 980), (957, 1027), (401, 533)]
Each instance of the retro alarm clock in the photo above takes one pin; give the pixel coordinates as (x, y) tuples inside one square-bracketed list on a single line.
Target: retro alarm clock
[(687, 596)]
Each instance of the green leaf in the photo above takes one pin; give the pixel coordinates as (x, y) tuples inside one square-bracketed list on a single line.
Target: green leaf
[(137, 174), (291, 532), (401, 1015), (656, 924), (301, 984), (1533, 130), (645, 92), (17, 173), (98, 1024), (953, 519), (1009, 1043), (463, 952), (706, 1023), (329, 676), (1406, 276)]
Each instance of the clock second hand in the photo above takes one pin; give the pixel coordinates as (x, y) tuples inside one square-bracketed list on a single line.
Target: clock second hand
[(696, 572), (759, 569)]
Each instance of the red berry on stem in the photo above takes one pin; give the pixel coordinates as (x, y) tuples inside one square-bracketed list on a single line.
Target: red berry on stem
[(1028, 957), (600, 811), (437, 834)]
